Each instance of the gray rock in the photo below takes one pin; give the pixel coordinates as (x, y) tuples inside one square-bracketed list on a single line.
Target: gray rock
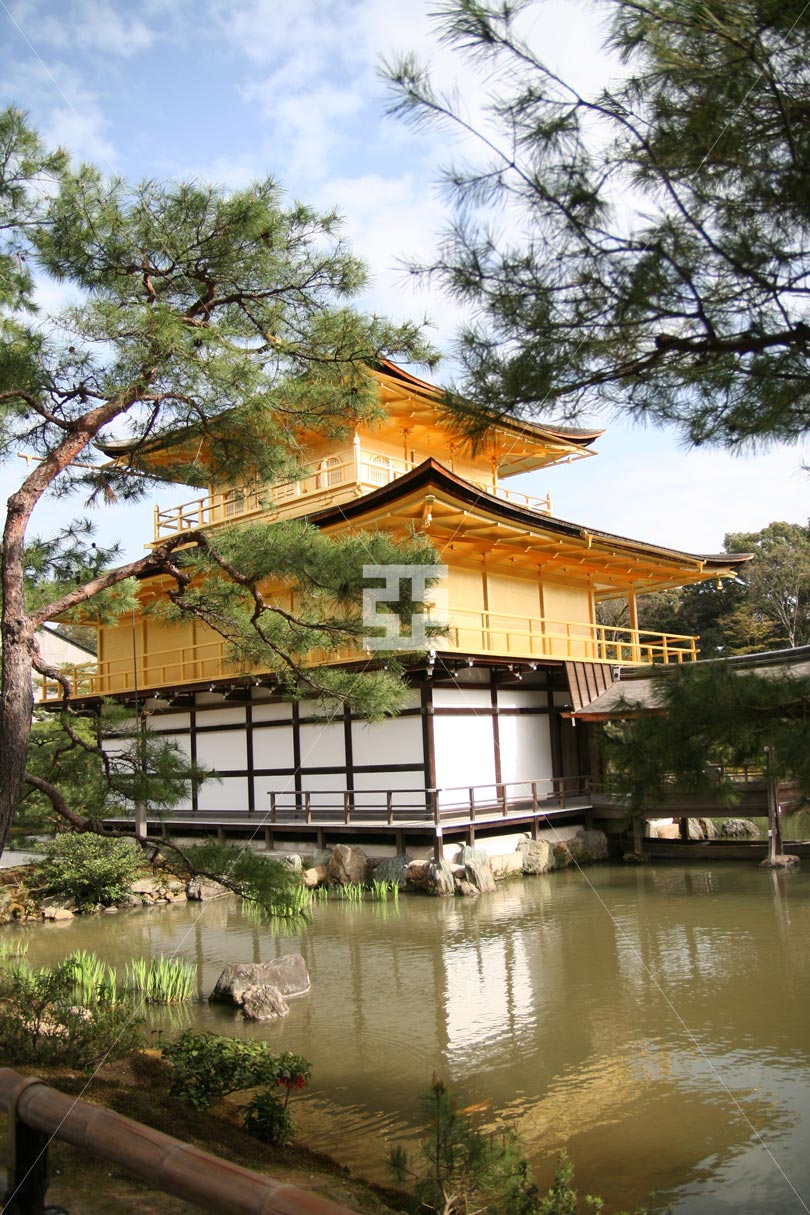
[(57, 909), (479, 873), (289, 860), (537, 856), (392, 869), (145, 886), (594, 843), (467, 855), (468, 890), (315, 876), (199, 888), (264, 1003), (439, 879), (347, 865), (738, 828), (288, 975), (785, 860), (694, 829), (710, 831)]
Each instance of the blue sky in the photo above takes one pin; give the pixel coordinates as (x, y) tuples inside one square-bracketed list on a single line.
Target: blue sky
[(230, 90)]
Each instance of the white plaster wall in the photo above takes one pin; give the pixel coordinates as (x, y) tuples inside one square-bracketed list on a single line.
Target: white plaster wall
[(323, 746), (170, 721), (273, 712), (516, 698), (395, 741), (370, 789), (222, 750), (463, 697), (326, 789), (227, 796), (233, 716), (465, 755), (525, 751), (273, 748), (181, 741)]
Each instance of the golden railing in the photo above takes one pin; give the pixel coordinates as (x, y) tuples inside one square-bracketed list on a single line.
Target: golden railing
[(469, 632), (356, 469)]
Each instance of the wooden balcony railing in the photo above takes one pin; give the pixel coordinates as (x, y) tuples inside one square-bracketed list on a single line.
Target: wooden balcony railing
[(469, 632), (356, 470)]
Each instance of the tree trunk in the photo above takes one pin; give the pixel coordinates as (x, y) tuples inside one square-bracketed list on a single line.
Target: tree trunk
[(15, 688)]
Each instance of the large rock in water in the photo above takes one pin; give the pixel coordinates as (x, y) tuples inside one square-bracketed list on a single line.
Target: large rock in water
[(537, 856), (439, 879), (347, 865), (205, 888), (477, 869), (263, 1004), (392, 869), (287, 976), (738, 828)]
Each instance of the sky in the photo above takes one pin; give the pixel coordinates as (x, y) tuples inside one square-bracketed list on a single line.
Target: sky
[(231, 90)]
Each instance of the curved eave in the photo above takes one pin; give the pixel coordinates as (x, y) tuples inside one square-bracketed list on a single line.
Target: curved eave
[(432, 476)]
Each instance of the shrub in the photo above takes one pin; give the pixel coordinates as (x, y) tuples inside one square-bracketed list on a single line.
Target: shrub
[(206, 1067), (88, 868), (41, 1022)]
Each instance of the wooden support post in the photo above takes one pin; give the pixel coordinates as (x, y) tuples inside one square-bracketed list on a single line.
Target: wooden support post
[(347, 807), (504, 802), (534, 797), (535, 829), (27, 1152), (389, 806), (399, 842), (438, 845), (471, 835), (268, 839), (774, 816), (308, 806), (320, 839), (272, 807), (638, 835), (220, 834), (683, 828), (434, 804), (472, 801)]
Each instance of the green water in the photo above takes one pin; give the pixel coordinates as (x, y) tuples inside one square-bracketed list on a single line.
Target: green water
[(654, 1020)]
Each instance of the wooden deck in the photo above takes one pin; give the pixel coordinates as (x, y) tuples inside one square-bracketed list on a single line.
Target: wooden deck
[(426, 816)]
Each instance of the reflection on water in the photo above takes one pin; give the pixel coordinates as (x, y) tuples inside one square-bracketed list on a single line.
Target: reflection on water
[(653, 1020)]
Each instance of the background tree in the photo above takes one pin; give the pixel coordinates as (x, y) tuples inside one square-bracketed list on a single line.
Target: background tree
[(766, 607), (652, 247), (709, 719), (223, 315)]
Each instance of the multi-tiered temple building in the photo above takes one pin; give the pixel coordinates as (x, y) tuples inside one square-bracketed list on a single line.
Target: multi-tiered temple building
[(486, 731)]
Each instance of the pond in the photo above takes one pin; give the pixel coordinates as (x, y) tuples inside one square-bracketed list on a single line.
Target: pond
[(653, 1020)]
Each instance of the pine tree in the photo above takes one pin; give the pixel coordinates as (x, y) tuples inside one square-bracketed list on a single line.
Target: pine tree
[(222, 316), (642, 247)]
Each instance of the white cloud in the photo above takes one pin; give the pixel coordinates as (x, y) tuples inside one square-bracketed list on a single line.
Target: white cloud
[(95, 25)]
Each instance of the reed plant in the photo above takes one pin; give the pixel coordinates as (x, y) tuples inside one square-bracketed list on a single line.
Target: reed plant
[(161, 980), (94, 981), (382, 891), (352, 892), (12, 949)]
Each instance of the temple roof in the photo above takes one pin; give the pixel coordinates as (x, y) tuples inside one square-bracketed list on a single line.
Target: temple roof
[(458, 514), (636, 693)]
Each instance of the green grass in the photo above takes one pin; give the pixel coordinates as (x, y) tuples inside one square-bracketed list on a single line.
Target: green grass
[(382, 891)]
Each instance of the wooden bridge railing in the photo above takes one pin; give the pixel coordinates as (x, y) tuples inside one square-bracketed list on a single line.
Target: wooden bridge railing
[(388, 807)]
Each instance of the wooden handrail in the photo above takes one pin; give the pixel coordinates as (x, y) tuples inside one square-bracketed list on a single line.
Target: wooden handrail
[(164, 1163)]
